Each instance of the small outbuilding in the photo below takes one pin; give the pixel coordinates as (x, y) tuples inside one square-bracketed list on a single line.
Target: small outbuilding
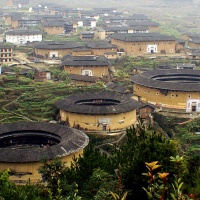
[(146, 110)]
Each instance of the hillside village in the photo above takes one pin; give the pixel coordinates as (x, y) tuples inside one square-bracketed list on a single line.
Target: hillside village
[(72, 77)]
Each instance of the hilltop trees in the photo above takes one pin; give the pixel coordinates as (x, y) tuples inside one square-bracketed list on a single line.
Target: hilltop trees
[(93, 171)]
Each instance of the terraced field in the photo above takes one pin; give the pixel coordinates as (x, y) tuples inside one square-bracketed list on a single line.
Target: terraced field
[(25, 100)]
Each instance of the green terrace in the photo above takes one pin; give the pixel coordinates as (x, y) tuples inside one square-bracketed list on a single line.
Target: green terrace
[(23, 99)]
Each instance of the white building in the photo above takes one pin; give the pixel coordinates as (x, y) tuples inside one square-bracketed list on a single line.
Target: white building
[(86, 22), (193, 105), (23, 36)]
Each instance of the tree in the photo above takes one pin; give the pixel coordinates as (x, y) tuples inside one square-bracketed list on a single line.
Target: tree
[(30, 74), (100, 184), (83, 167), (138, 149), (61, 75), (52, 175), (140, 146), (8, 190)]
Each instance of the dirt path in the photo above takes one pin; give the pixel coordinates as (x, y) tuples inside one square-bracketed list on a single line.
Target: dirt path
[(21, 57), (110, 143), (186, 122), (13, 113)]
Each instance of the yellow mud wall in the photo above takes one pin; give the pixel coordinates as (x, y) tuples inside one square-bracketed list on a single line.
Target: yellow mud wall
[(31, 167), (176, 98), (91, 122)]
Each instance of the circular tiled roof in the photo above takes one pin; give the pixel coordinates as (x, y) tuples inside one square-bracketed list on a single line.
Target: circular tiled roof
[(68, 141), (173, 79), (98, 103)]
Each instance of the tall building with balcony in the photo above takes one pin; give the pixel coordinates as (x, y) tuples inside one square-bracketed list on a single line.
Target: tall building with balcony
[(6, 53)]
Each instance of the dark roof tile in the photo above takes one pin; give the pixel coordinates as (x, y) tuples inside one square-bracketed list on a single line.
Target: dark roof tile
[(124, 104), (71, 141)]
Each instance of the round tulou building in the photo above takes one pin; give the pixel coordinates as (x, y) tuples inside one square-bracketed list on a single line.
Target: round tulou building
[(174, 88), (24, 145), (98, 111)]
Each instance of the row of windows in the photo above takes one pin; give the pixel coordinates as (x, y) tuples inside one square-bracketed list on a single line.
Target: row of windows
[(148, 44), (6, 55), (7, 60), (157, 93), (6, 50), (82, 67), (20, 37)]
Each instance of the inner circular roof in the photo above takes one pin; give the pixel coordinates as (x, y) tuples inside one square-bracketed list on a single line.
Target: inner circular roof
[(48, 141), (178, 78), (28, 139), (173, 79), (98, 103)]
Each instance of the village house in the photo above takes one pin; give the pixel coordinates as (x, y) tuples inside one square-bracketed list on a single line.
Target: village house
[(23, 36), (24, 22), (85, 22), (42, 74), (88, 14), (109, 30), (186, 36), (98, 48), (76, 79), (147, 25), (82, 51), (101, 48), (87, 35), (86, 65), (99, 33), (6, 54), (185, 66), (53, 27), (194, 54), (180, 46), (57, 10), (9, 16), (71, 12), (39, 9), (146, 110), (126, 19), (70, 27), (104, 11), (49, 18), (135, 44), (54, 49), (194, 43)]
